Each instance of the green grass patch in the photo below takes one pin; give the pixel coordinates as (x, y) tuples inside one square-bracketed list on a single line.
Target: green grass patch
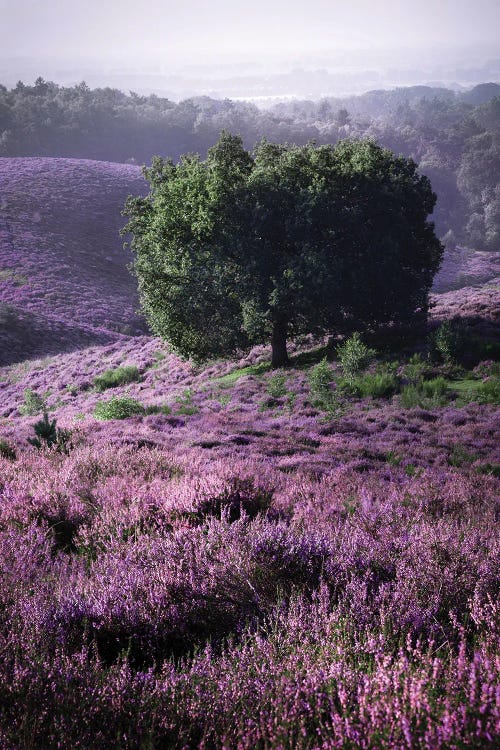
[(118, 376), (227, 381)]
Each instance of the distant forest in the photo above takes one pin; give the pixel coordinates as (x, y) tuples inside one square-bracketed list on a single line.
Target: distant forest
[(454, 137)]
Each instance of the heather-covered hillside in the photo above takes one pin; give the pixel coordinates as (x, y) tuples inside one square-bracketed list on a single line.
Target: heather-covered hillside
[(311, 552), (64, 281), (316, 561)]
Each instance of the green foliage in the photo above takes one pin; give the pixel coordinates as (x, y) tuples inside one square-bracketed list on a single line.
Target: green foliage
[(186, 407), (33, 404), (460, 456), (415, 369), (226, 381), (492, 470), (7, 450), (118, 376), (354, 356), (376, 385), (426, 394), (392, 458), (410, 397), (276, 385), (448, 341), (489, 391), (118, 408), (324, 394), (435, 388), (242, 248), (164, 409), (320, 380), (49, 436)]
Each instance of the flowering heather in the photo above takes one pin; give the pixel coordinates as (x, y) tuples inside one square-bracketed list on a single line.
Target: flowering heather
[(463, 267), (234, 566), (317, 582), (64, 283)]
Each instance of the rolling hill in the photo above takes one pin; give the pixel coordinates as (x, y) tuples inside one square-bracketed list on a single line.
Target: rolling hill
[(64, 281)]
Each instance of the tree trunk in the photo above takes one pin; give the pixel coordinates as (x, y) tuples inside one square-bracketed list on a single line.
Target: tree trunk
[(278, 344)]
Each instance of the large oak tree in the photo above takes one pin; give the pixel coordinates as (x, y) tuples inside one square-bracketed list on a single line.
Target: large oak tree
[(244, 248)]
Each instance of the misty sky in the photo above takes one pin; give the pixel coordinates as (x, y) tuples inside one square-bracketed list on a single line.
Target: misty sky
[(190, 30)]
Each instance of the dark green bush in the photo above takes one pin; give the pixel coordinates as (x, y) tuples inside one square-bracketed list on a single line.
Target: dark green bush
[(49, 436), (116, 377), (118, 408)]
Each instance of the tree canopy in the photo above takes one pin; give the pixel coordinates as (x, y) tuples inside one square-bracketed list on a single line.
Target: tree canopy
[(242, 248)]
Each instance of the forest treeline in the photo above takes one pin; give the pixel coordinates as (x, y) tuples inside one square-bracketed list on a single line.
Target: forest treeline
[(454, 137)]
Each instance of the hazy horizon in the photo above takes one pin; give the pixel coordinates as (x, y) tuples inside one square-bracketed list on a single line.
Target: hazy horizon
[(189, 47)]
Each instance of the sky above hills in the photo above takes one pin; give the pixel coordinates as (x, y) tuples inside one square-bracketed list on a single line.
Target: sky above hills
[(193, 30), (256, 50)]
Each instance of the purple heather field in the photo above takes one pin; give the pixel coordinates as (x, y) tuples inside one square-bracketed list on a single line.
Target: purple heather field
[(230, 564)]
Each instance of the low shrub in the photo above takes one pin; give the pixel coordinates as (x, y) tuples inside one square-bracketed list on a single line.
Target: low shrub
[(416, 369), (435, 388), (324, 394), (377, 385), (116, 377), (118, 408), (354, 356), (448, 341), (489, 391), (276, 385), (410, 397), (427, 394), (33, 404)]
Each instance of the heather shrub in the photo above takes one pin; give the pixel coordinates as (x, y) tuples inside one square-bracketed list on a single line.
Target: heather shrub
[(118, 408), (238, 496), (354, 356), (116, 377), (33, 404)]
